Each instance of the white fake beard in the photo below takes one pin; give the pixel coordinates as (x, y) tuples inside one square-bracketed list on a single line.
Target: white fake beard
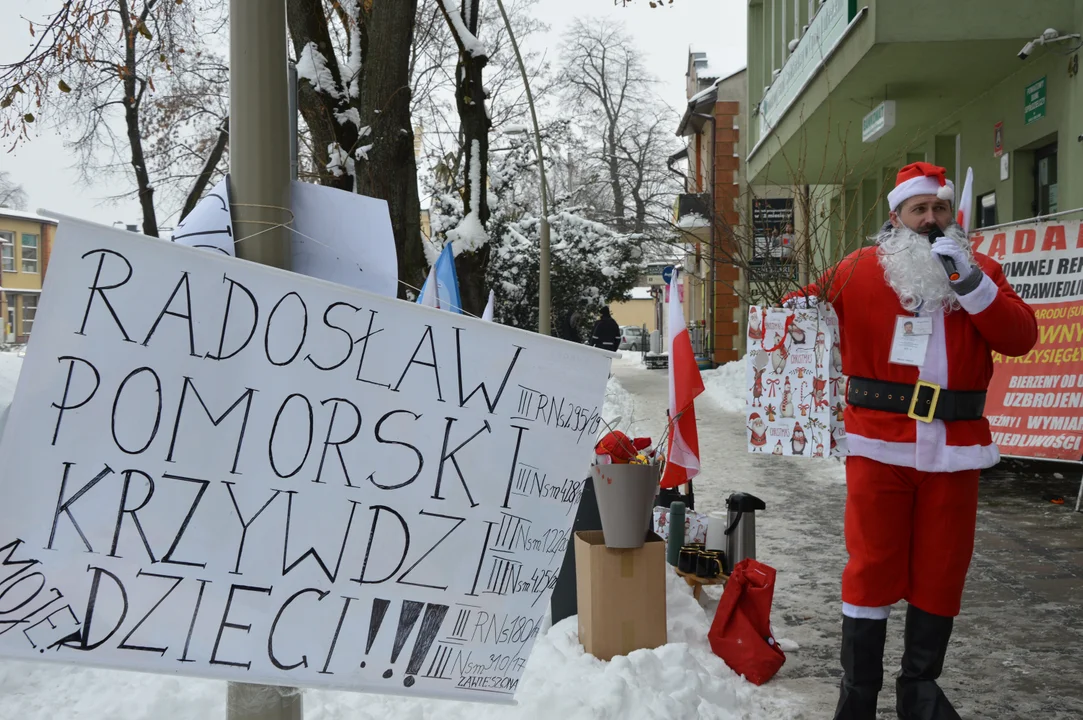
[(913, 272)]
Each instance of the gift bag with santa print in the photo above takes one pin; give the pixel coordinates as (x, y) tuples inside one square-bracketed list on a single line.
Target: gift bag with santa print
[(836, 384), (787, 374)]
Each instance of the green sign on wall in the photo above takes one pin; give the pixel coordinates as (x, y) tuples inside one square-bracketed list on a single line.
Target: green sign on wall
[(1034, 102)]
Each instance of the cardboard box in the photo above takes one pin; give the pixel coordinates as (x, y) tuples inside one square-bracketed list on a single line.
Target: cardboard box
[(621, 595)]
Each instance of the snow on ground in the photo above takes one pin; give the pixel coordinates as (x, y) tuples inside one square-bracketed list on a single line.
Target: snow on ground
[(680, 680), (726, 385), (10, 364)]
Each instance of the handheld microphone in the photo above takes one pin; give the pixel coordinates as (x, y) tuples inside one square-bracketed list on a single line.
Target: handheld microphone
[(948, 263)]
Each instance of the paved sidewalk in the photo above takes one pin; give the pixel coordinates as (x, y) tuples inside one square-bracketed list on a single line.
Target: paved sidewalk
[(1017, 651)]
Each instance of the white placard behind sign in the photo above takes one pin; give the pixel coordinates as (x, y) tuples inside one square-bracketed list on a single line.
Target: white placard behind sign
[(344, 238), (220, 469), (210, 224)]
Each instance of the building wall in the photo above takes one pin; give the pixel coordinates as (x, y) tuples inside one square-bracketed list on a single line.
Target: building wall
[(968, 141), (16, 278), (727, 180), (933, 124), (634, 312)]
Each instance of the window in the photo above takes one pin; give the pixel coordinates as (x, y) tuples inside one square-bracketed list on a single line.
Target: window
[(30, 308), (30, 253), (7, 251), (987, 210)]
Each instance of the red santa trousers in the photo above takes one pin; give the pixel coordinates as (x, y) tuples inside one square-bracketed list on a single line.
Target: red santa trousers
[(910, 535)]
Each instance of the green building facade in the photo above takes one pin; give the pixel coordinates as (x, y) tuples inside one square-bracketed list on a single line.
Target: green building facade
[(842, 94)]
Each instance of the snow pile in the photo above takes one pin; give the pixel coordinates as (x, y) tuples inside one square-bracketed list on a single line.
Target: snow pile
[(726, 385), (10, 365), (682, 679), (619, 408)]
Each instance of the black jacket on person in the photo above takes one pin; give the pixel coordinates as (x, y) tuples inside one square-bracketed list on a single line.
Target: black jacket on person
[(606, 334), (566, 328)]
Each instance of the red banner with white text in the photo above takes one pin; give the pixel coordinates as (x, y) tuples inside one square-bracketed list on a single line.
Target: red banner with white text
[(1035, 402)]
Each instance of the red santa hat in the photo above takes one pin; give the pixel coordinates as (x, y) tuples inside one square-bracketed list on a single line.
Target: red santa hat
[(920, 178), (754, 416)]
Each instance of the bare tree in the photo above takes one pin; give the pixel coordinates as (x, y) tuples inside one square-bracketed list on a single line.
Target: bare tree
[(354, 96), (641, 148), (607, 82), (433, 61), (95, 66), (12, 194)]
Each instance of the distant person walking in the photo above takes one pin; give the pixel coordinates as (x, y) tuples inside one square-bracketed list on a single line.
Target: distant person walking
[(606, 334)]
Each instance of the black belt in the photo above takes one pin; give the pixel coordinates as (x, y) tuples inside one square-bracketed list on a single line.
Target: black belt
[(923, 401)]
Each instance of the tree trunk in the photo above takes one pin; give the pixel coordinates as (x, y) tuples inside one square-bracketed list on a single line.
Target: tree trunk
[(390, 170), (133, 95), (613, 165), (204, 177), (473, 267), (308, 23)]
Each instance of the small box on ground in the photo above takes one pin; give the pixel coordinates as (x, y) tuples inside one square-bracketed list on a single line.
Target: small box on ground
[(621, 595)]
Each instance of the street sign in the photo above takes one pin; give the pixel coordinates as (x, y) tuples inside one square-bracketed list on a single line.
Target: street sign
[(667, 274), (1034, 102), (878, 122)]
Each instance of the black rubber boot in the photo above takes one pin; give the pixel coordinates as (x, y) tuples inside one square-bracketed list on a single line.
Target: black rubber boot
[(917, 696), (862, 666)]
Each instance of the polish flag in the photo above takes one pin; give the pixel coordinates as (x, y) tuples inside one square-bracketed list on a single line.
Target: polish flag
[(685, 384), (965, 216)]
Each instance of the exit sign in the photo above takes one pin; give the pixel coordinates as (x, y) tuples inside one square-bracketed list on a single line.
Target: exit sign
[(1034, 102), (878, 122)]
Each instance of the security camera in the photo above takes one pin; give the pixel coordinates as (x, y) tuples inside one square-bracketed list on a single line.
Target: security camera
[(1050, 35)]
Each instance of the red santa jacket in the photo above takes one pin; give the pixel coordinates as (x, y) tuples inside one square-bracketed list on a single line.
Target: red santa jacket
[(959, 357)]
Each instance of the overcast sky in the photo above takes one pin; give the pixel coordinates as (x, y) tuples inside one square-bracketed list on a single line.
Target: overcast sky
[(717, 27)]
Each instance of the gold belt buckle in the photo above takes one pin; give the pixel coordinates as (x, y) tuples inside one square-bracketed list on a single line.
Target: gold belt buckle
[(928, 416)]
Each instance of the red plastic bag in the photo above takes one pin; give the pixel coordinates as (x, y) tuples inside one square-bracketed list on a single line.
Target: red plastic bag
[(741, 631)]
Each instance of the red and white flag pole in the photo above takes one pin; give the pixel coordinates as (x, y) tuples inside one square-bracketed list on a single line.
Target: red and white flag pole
[(685, 384)]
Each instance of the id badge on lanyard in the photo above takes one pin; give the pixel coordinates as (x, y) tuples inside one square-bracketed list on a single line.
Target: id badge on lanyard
[(911, 340)]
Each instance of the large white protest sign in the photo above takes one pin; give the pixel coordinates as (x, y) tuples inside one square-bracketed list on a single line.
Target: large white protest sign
[(220, 469)]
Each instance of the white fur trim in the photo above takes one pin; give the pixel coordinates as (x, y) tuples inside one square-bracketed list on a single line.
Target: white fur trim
[(866, 613), (946, 192), (948, 458), (923, 185), (981, 297)]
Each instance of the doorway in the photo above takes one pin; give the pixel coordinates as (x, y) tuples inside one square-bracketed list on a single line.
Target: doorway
[(1045, 180)]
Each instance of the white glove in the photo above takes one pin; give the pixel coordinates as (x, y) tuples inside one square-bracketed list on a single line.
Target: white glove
[(946, 247)]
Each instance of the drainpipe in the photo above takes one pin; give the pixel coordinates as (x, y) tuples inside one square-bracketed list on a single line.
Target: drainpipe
[(712, 274)]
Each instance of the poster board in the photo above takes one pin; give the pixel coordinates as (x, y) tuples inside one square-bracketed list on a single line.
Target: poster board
[(219, 469), (1035, 402)]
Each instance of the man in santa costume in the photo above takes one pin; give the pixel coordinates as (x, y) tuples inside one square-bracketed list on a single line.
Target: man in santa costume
[(917, 437)]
